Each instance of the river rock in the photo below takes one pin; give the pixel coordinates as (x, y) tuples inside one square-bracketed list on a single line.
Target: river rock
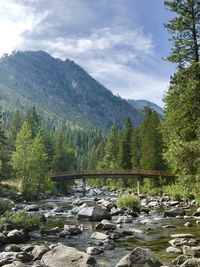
[(173, 250), (188, 224), (191, 251), (93, 214), (15, 264), (15, 236), (3, 239), (72, 229), (62, 256), (13, 248), (39, 251), (94, 250), (193, 262), (76, 210), (50, 205), (179, 260), (24, 256), (139, 258), (182, 241), (105, 225), (33, 207), (182, 236), (99, 236), (174, 212)]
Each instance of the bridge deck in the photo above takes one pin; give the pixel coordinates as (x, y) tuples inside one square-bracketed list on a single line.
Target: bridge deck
[(89, 174)]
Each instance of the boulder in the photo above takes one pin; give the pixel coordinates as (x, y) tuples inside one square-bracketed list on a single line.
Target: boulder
[(94, 250), (191, 251), (139, 258), (99, 236), (24, 256), (39, 251), (3, 239), (173, 250), (93, 214), (174, 212), (105, 225), (72, 229), (193, 262), (33, 207), (15, 264), (76, 210), (15, 236), (62, 256), (13, 248)]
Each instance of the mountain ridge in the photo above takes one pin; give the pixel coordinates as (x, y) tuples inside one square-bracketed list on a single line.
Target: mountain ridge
[(61, 90)]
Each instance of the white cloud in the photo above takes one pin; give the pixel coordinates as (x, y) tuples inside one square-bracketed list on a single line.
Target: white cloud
[(116, 54)]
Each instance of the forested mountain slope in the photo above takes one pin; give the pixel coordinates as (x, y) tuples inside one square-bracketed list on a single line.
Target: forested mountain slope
[(60, 90)]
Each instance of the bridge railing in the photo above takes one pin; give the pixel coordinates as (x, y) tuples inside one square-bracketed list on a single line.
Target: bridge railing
[(114, 172)]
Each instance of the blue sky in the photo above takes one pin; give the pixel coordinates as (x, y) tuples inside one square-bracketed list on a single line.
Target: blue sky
[(121, 43)]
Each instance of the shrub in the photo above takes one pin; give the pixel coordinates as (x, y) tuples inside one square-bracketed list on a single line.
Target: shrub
[(5, 205), (128, 201), (177, 191), (26, 221)]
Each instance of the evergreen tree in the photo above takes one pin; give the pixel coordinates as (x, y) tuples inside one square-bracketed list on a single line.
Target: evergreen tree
[(125, 146), (33, 119), (185, 30), (180, 126), (151, 142), (111, 157), (2, 145), (136, 149)]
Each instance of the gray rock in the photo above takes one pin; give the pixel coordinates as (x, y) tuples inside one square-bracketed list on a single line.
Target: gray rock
[(33, 207), (63, 256), (3, 239), (139, 258), (72, 230), (179, 260), (24, 256), (13, 248), (99, 236), (76, 210), (39, 251), (15, 236), (173, 250), (188, 224), (182, 236), (174, 212), (105, 225), (194, 262), (94, 250), (15, 264), (93, 214), (191, 251)]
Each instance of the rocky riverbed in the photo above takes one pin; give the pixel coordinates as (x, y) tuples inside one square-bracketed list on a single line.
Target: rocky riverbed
[(92, 231)]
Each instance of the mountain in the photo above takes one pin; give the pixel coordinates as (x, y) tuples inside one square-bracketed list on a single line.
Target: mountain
[(60, 90), (140, 104)]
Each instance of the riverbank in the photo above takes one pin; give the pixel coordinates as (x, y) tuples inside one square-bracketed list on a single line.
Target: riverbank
[(101, 233)]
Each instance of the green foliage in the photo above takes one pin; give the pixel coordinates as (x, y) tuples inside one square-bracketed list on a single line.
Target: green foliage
[(178, 191), (24, 221), (128, 201), (5, 205), (185, 30), (125, 147), (30, 162)]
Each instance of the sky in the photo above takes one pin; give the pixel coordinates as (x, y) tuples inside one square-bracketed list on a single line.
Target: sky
[(121, 43)]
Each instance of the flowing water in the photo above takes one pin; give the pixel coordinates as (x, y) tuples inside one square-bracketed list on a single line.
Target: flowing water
[(153, 237)]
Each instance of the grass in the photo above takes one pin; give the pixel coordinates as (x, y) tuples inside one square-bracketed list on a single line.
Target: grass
[(128, 201)]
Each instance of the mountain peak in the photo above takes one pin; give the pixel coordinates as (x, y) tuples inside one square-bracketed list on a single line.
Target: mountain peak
[(60, 89)]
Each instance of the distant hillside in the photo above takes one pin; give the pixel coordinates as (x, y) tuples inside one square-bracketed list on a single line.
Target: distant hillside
[(60, 90), (140, 104)]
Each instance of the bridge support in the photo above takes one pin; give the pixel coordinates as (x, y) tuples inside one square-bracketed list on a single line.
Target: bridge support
[(139, 180), (83, 185)]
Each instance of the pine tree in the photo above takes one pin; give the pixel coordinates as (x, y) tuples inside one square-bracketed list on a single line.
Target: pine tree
[(136, 149), (185, 30), (180, 127), (33, 119), (111, 158), (125, 147)]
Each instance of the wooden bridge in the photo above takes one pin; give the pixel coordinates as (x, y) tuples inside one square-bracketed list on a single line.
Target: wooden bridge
[(103, 174)]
